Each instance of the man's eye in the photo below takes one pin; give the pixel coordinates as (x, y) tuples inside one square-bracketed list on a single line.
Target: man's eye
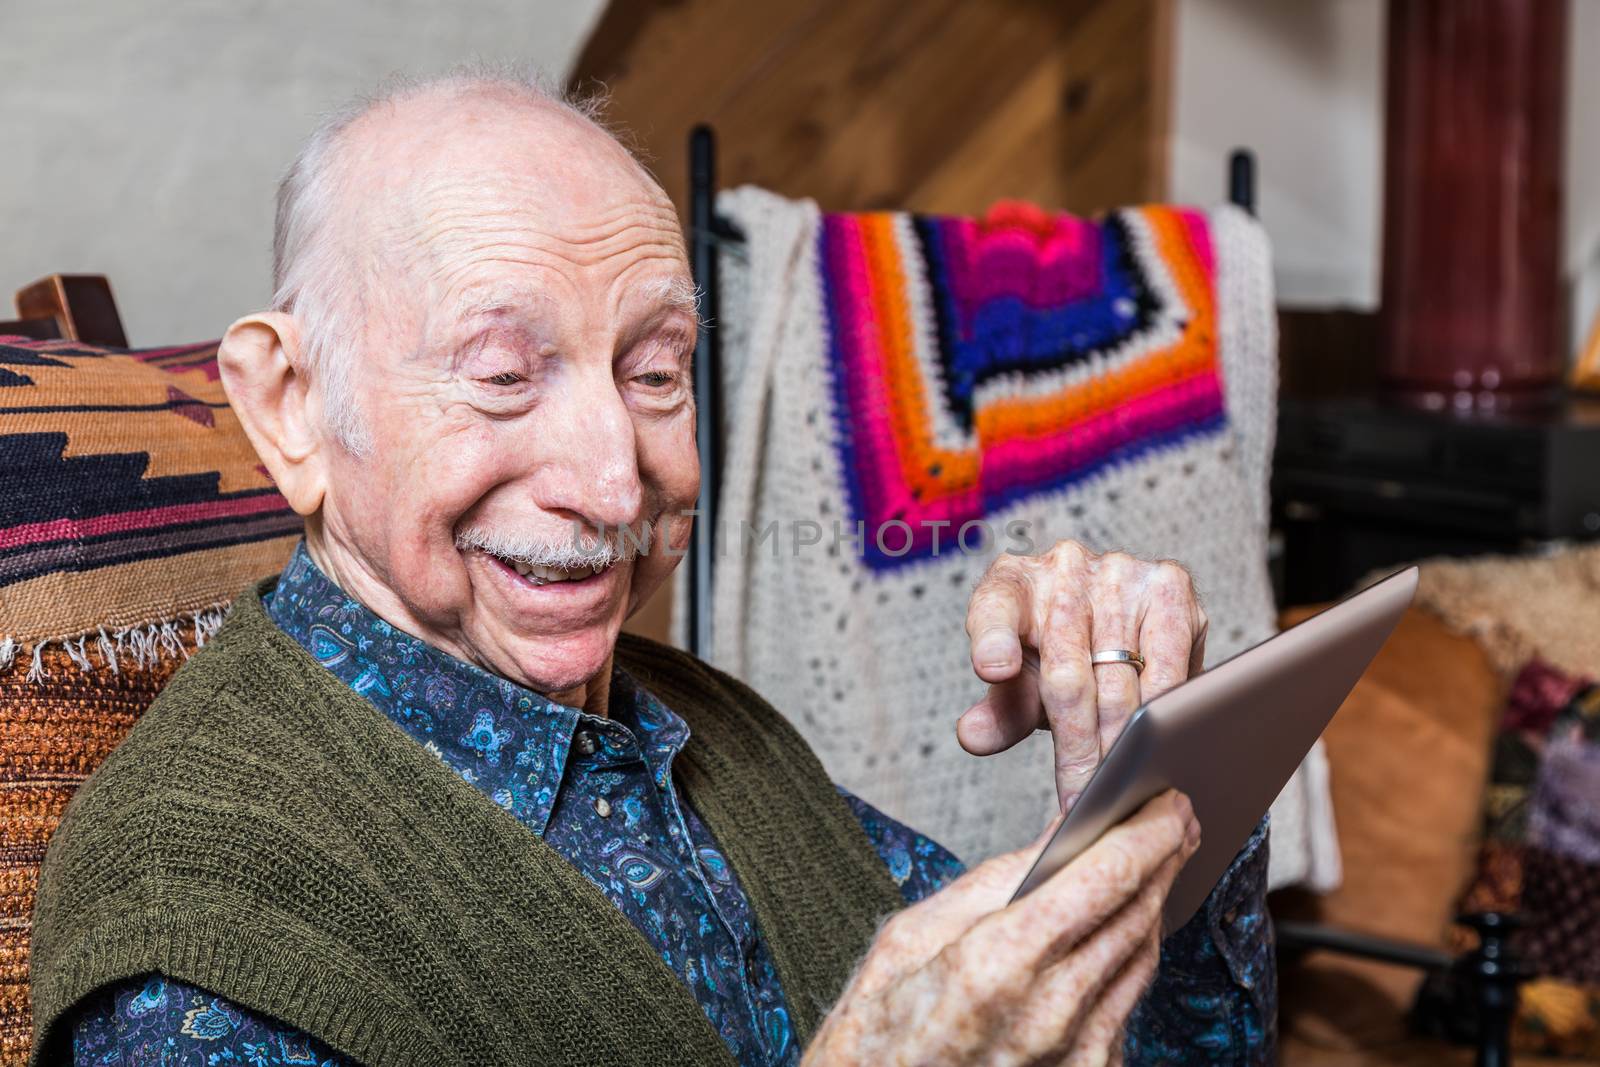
[(657, 379), (505, 378)]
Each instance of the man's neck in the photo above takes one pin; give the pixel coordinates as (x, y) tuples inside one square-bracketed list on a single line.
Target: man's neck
[(356, 580)]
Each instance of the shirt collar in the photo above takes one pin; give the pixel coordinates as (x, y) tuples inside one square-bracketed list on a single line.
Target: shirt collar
[(509, 740)]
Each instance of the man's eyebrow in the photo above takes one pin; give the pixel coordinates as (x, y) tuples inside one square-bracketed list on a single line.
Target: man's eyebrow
[(495, 305), (677, 293), (472, 318)]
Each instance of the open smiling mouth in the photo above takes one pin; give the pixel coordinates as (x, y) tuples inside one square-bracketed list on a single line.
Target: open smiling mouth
[(535, 574)]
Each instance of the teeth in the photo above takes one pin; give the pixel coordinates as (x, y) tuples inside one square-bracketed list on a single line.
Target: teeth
[(540, 575)]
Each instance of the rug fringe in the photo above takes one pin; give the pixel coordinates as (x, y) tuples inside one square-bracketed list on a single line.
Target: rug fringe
[(145, 645)]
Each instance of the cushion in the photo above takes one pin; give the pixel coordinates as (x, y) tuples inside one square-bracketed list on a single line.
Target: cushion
[(1409, 839), (1541, 854), (133, 511)]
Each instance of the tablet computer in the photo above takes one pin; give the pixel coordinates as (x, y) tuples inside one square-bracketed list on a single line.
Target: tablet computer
[(1230, 738)]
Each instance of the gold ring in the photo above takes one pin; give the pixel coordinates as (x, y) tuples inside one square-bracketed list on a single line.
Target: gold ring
[(1119, 655)]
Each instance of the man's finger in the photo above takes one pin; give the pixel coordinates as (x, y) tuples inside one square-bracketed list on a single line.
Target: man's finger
[(1197, 654), (1116, 684), (1083, 895), (998, 619), (1009, 712), (984, 889), (1067, 689), (1099, 1040), (1080, 1002), (1167, 634), (912, 937)]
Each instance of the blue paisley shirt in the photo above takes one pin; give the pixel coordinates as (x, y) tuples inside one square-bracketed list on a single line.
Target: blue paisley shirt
[(600, 792)]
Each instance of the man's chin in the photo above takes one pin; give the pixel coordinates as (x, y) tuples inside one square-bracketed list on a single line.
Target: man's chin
[(555, 666), (550, 637)]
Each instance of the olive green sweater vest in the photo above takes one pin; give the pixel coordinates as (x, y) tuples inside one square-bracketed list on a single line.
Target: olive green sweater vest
[(267, 834)]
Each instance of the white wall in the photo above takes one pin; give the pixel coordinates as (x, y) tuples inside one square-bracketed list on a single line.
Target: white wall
[(1582, 253), (1302, 83), (144, 138)]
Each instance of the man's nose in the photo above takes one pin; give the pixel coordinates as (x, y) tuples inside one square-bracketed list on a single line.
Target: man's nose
[(597, 475)]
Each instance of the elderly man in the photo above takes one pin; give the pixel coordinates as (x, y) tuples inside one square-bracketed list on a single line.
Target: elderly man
[(419, 803)]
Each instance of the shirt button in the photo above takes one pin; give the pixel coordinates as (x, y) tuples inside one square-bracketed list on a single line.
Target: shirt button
[(602, 807), (584, 741)]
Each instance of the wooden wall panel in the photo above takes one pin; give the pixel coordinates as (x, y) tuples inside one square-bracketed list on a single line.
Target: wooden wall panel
[(932, 105)]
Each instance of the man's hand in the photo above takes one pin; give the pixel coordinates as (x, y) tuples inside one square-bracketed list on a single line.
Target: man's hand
[(1034, 621), (965, 978)]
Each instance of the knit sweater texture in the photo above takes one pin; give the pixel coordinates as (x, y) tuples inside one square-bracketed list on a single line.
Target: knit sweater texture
[(266, 834)]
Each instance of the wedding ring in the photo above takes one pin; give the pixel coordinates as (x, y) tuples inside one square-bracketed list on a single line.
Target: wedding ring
[(1119, 655)]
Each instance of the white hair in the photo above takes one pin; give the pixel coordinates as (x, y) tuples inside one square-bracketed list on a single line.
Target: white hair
[(319, 281), (586, 547)]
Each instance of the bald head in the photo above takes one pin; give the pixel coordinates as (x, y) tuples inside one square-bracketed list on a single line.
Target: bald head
[(366, 210)]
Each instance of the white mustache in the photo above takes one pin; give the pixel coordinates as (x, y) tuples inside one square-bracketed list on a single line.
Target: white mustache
[(584, 549)]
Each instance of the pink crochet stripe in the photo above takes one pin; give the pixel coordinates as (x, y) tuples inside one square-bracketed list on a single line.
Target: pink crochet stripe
[(1042, 272), (1025, 461)]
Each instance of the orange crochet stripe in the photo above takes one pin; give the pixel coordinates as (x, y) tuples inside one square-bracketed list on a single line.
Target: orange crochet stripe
[(930, 471)]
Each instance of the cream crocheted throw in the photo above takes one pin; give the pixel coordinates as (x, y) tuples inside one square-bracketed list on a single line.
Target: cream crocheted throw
[(833, 377)]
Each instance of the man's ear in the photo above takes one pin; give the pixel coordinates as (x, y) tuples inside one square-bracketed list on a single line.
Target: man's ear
[(276, 405)]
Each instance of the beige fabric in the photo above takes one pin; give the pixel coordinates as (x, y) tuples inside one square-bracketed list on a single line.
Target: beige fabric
[(1517, 607)]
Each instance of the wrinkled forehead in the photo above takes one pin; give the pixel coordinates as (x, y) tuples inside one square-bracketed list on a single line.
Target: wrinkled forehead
[(659, 293), (536, 311), (513, 205)]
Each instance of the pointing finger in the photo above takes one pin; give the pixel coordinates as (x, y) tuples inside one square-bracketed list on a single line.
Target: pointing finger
[(1008, 713), (997, 619), (1167, 637)]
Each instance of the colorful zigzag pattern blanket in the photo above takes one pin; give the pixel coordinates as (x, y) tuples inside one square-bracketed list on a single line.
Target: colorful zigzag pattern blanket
[(1035, 378), (928, 391)]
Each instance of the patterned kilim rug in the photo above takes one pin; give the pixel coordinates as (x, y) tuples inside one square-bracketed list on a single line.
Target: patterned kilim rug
[(132, 510)]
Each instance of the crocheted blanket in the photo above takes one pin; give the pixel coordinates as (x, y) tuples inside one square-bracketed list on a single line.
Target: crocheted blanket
[(908, 395)]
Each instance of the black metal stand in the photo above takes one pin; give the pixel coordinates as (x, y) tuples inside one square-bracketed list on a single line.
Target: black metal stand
[(1478, 998), (707, 371), (1496, 974), (707, 230), (1242, 179)]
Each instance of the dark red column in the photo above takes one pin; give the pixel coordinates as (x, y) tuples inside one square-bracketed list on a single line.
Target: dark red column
[(1472, 201)]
